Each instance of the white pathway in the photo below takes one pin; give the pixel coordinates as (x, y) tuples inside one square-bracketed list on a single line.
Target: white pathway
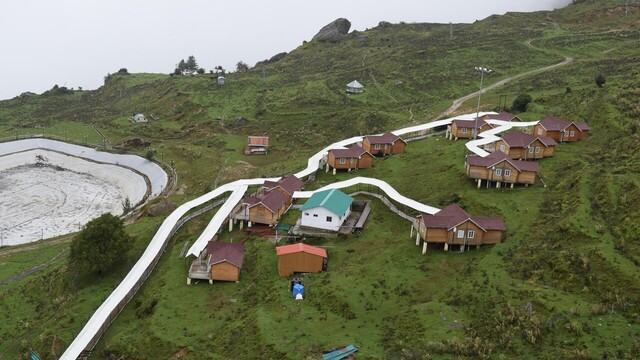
[(237, 189)]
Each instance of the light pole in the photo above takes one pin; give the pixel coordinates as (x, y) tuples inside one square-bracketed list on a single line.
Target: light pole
[(482, 71)]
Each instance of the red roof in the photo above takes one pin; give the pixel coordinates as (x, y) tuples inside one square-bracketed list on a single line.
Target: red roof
[(505, 116), (290, 184), (300, 247), (354, 151), (258, 141), (453, 215), (272, 200), (519, 139), (497, 157), (229, 252), (582, 126), (469, 124), (386, 138)]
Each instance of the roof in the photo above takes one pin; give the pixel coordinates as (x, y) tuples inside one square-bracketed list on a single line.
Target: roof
[(300, 247), (497, 157), (258, 141), (519, 139), (582, 126), (272, 200), (503, 115), (453, 215), (138, 116), (553, 123), (229, 252), (469, 124), (352, 152), (290, 184), (333, 200), (355, 84), (386, 138)]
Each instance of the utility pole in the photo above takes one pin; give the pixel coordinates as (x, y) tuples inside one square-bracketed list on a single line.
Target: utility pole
[(482, 71)]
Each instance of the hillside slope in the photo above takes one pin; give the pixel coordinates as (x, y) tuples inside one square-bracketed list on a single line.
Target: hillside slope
[(564, 284)]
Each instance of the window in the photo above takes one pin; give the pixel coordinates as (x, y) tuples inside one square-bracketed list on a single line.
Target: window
[(507, 172), (573, 133), (463, 130), (306, 214), (460, 234), (502, 147), (498, 172), (537, 149), (315, 215), (471, 234), (343, 161), (423, 226), (329, 219), (566, 133), (539, 131), (376, 146), (531, 150)]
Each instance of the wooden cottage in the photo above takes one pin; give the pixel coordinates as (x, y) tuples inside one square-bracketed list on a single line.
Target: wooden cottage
[(454, 226), (500, 168), (225, 260), (349, 159), (300, 258), (256, 145), (287, 185), (519, 145), (355, 87), (503, 116), (219, 261), (466, 129), (561, 130), (326, 210), (266, 208), (385, 144)]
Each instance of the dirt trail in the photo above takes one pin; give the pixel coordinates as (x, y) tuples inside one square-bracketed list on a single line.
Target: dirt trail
[(456, 103)]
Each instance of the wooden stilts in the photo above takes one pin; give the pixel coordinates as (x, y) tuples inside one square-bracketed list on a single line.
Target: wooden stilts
[(446, 247), (424, 248), (230, 224), (188, 281), (418, 239), (479, 183)]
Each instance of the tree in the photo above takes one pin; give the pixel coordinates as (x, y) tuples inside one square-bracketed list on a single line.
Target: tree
[(126, 206), (201, 71), (520, 103), (600, 80), (242, 67), (150, 154), (101, 246)]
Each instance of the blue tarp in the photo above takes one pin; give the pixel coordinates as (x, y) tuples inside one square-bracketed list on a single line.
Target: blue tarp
[(297, 289)]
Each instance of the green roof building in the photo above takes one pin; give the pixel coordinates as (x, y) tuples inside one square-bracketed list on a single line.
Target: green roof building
[(327, 209)]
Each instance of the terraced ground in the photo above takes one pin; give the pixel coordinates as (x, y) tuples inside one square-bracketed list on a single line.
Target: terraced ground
[(563, 284)]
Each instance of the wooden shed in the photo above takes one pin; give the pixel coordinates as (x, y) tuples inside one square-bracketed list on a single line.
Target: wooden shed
[(385, 144), (225, 260), (300, 258)]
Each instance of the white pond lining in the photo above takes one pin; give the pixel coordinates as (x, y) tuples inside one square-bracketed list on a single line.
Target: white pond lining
[(107, 312)]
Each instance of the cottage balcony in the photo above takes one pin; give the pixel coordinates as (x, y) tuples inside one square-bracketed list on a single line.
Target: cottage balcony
[(199, 269)]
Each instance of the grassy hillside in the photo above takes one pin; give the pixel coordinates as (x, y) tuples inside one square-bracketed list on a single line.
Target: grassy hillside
[(565, 283)]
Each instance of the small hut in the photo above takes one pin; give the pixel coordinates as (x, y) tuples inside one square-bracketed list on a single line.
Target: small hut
[(300, 258), (138, 118), (256, 145), (355, 87), (220, 80)]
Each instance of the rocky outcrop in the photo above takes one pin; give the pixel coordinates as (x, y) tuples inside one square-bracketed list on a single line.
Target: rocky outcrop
[(334, 31), (163, 207)]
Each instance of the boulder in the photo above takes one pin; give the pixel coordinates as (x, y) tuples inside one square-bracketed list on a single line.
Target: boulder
[(136, 143), (277, 57), (163, 207), (334, 31)]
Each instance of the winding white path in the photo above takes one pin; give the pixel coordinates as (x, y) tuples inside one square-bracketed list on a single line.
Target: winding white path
[(237, 189)]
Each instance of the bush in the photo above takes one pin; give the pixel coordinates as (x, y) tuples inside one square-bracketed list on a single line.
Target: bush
[(600, 80), (521, 102)]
